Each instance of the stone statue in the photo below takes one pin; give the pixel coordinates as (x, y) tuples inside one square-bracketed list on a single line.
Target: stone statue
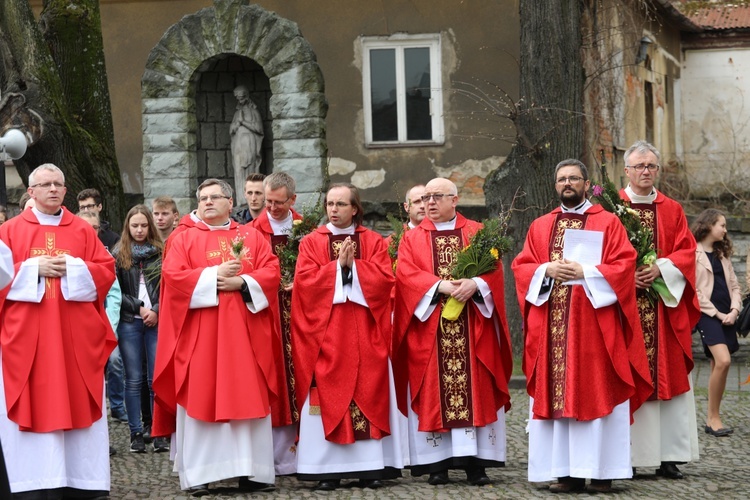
[(246, 132)]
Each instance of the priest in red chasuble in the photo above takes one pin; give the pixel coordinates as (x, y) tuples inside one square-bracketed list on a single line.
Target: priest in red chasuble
[(341, 333), (55, 339), (215, 374), (664, 432), (275, 222), (584, 357), (451, 376)]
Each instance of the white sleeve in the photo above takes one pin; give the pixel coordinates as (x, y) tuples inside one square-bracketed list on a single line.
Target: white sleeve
[(487, 307), (425, 307), (6, 265), (260, 301), (77, 285), (355, 292), (674, 280), (597, 288), (205, 293), (27, 285), (535, 295)]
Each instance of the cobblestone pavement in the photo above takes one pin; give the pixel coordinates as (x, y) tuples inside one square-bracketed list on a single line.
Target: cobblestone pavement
[(721, 472)]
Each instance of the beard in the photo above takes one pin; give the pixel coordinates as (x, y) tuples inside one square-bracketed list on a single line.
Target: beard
[(571, 198)]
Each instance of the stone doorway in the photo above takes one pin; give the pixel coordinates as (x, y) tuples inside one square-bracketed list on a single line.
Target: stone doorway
[(201, 57)]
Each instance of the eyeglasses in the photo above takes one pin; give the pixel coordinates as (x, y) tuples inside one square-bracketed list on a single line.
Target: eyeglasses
[(274, 203), (48, 185), (648, 166), (573, 179), (339, 204), (213, 197), (86, 208), (437, 197)]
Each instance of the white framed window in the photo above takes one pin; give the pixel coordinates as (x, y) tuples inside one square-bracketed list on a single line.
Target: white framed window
[(402, 90)]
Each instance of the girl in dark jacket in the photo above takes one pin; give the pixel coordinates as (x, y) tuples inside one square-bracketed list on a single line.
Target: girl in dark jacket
[(138, 259)]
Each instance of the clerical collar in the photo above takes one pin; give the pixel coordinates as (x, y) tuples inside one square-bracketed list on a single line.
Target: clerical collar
[(411, 225), (336, 230), (637, 198), (283, 226), (194, 216), (577, 210), (222, 227), (445, 226), (47, 219)]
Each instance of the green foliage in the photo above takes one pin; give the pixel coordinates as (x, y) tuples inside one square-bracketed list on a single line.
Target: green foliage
[(287, 254), (485, 248)]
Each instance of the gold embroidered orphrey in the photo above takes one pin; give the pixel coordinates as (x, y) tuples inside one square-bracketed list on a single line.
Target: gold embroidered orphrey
[(50, 249), (558, 321), (453, 338)]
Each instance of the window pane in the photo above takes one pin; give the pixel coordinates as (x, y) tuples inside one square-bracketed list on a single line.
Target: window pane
[(383, 95), (417, 73)]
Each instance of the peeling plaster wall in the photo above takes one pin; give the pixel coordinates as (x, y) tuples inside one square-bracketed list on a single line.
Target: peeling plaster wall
[(716, 123)]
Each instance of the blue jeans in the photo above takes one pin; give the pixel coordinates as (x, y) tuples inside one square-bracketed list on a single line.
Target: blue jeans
[(134, 337), (116, 382)]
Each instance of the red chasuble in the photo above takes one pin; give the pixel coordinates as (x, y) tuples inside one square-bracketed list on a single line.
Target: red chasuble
[(284, 410), (341, 350), (464, 365), (669, 336), (604, 360), (216, 362), (54, 352)]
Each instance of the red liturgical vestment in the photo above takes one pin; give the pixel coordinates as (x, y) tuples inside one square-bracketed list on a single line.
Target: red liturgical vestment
[(457, 371), (216, 362), (284, 411), (341, 350), (581, 362), (54, 351), (668, 330)]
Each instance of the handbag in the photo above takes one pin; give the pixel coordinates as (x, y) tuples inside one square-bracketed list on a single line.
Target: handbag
[(743, 320)]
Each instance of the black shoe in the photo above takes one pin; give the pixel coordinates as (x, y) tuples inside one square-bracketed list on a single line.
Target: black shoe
[(439, 477), (328, 485), (136, 443), (724, 431), (568, 484), (200, 490), (477, 476), (254, 486), (669, 470), (147, 434), (373, 484), (599, 486), (160, 445), (119, 415)]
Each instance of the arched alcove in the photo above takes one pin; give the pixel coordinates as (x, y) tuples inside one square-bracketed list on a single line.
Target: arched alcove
[(231, 30)]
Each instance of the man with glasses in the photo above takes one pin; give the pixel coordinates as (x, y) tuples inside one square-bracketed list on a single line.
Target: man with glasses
[(451, 376), (584, 358), (56, 339), (275, 222), (90, 200), (664, 431), (215, 373), (341, 324)]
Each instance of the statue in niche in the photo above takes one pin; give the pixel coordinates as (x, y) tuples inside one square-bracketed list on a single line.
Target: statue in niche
[(246, 133)]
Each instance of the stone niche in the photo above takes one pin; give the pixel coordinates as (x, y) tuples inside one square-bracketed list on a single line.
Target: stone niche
[(188, 102)]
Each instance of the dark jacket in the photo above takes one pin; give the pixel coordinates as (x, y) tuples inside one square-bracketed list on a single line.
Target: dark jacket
[(130, 280), (108, 237)]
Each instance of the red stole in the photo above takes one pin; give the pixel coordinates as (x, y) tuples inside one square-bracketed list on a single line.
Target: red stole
[(54, 352)]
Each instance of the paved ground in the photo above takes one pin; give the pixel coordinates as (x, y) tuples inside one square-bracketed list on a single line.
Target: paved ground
[(720, 473)]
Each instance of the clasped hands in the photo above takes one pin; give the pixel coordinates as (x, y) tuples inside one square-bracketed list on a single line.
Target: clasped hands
[(227, 279), (564, 270), (645, 276), (729, 318), (346, 253), (52, 267), (461, 290)]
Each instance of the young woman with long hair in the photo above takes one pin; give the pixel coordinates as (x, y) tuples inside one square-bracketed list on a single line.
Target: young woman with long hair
[(720, 301), (138, 259)]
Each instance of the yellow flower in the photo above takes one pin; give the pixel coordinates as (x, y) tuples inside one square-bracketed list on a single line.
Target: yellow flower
[(297, 222), (495, 254)]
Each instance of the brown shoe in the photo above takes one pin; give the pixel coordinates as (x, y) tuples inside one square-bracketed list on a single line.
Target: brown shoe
[(567, 484), (600, 486)]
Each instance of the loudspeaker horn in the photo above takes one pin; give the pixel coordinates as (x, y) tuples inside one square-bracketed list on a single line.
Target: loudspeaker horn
[(13, 143)]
